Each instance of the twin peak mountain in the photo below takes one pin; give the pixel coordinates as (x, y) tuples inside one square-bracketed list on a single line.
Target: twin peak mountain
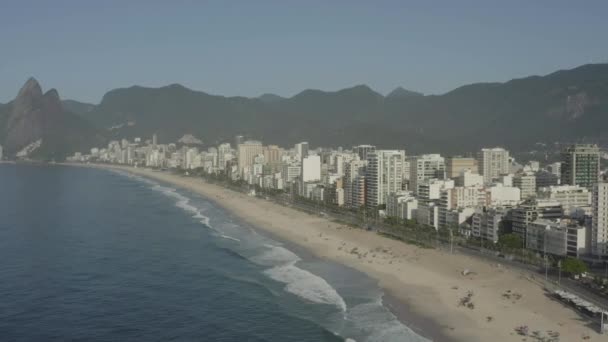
[(37, 125)]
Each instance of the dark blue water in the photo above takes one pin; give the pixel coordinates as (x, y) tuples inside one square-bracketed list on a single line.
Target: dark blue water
[(90, 254)]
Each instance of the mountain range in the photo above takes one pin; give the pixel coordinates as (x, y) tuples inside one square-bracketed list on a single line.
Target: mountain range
[(565, 106)]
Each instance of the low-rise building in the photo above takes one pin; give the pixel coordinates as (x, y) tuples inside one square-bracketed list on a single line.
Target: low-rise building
[(571, 197), (402, 204), (526, 184), (557, 237), (487, 223)]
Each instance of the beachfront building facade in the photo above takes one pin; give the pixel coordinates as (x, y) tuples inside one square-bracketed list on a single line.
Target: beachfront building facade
[(402, 205), (557, 237), (530, 211), (487, 223), (383, 176)]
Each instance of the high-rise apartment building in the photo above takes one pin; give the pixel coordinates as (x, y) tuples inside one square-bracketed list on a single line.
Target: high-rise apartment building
[(224, 152), (384, 175), (352, 170), (425, 167), (247, 151), (581, 165), (311, 168), (302, 150), (599, 221), (493, 162)]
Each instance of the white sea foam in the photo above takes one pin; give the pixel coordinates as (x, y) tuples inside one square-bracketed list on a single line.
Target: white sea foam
[(229, 237), (306, 285), (183, 202), (275, 255), (380, 325)]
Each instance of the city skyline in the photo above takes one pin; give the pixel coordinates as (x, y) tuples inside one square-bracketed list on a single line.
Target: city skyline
[(270, 47)]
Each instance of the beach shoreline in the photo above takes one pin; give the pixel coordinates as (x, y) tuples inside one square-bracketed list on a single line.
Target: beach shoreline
[(422, 286)]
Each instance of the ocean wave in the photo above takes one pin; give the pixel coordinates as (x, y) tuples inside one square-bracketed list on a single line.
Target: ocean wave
[(275, 255), (380, 325), (224, 236), (183, 202), (306, 285)]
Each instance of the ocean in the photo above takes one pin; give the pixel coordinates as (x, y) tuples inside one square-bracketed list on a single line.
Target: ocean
[(97, 255)]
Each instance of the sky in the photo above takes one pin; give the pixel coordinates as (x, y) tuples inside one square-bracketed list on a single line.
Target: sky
[(85, 48)]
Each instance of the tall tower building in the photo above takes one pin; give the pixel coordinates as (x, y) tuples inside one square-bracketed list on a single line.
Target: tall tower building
[(302, 150), (581, 165), (154, 140), (599, 225), (384, 175), (493, 162), (424, 167), (222, 151), (247, 151), (311, 168), (352, 171)]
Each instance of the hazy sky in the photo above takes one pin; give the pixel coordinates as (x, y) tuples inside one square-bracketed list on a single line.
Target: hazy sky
[(84, 48)]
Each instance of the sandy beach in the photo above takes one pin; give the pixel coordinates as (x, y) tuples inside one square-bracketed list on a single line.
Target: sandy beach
[(429, 282)]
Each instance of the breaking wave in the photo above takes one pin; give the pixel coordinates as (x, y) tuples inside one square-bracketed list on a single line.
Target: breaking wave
[(299, 282)]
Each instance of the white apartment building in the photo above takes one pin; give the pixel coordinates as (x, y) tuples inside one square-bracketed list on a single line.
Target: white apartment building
[(428, 214), (301, 150), (290, 172), (311, 168), (222, 151), (599, 225), (486, 223), (401, 204), (352, 170), (526, 184), (430, 189), (468, 178), (425, 167), (499, 195), (247, 151), (455, 200), (493, 162), (571, 197), (384, 175)]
